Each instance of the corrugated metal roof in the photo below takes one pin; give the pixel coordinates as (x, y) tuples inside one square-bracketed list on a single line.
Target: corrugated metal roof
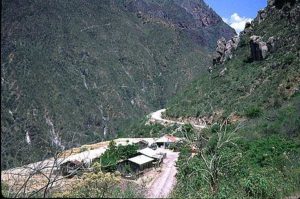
[(141, 159), (148, 152)]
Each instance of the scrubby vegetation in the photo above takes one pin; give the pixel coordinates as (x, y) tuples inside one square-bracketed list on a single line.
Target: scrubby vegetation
[(140, 128), (109, 159), (262, 158), (101, 185), (86, 67), (227, 166), (247, 88)]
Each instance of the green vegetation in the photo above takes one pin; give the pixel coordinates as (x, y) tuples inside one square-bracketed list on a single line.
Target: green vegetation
[(253, 112), (5, 190), (86, 67), (110, 158), (101, 185), (139, 128), (260, 103), (247, 87), (83, 148), (241, 168)]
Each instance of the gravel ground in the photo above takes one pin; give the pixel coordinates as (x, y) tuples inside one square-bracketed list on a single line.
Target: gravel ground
[(162, 184)]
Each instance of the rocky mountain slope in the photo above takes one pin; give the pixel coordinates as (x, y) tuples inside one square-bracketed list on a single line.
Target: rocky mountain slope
[(193, 17), (260, 70), (74, 72), (251, 103)]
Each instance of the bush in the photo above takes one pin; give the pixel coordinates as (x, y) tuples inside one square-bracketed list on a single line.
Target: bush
[(261, 184), (179, 146), (263, 168), (113, 154), (289, 58), (215, 128), (93, 185), (83, 148), (253, 112), (5, 190)]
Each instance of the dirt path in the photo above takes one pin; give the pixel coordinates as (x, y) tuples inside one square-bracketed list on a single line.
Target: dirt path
[(164, 183), (157, 117)]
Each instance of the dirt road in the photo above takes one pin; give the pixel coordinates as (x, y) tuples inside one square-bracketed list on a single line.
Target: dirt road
[(157, 117), (164, 183)]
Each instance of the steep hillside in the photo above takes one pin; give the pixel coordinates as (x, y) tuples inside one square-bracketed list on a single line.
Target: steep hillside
[(74, 72), (242, 84), (251, 102), (199, 22)]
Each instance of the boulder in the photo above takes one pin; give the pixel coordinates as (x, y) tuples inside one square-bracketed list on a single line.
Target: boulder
[(262, 14), (224, 52), (248, 29), (263, 49), (271, 44), (259, 48), (221, 45), (271, 3), (254, 47), (235, 41), (228, 54), (216, 58), (220, 51)]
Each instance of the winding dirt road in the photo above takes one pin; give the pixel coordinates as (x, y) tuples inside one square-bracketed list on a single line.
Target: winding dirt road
[(157, 117)]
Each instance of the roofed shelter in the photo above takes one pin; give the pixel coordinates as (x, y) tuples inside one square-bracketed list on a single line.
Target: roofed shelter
[(166, 140), (140, 163)]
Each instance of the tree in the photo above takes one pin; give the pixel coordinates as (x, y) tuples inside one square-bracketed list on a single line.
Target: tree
[(214, 158)]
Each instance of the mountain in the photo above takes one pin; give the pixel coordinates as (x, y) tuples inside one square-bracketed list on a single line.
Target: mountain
[(263, 79), (250, 102), (200, 23), (75, 72)]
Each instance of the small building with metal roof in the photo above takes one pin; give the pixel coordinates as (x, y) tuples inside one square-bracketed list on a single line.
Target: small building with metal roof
[(166, 140), (140, 163)]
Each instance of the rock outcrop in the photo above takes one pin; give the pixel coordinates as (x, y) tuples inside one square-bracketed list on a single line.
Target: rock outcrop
[(247, 30), (286, 9), (258, 48), (193, 17), (262, 14), (271, 44), (279, 4), (224, 50)]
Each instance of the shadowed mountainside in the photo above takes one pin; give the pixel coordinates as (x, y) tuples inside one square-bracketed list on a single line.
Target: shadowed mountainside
[(75, 72)]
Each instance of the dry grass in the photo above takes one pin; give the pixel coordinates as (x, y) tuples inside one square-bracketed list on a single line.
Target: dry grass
[(79, 149)]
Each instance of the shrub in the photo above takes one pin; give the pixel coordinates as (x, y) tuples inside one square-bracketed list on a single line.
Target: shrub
[(83, 148), (113, 154), (215, 128), (261, 184), (93, 185), (253, 112), (5, 190), (289, 58)]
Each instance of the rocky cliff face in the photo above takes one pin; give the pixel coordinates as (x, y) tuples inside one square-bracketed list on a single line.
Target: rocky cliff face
[(257, 71), (74, 72), (193, 17)]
